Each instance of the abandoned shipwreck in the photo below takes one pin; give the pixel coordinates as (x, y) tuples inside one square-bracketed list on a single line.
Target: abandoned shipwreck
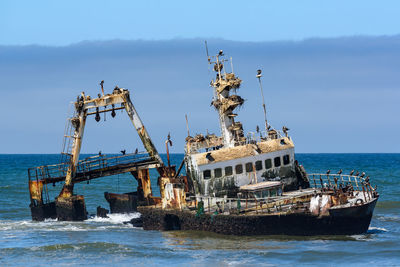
[(235, 183)]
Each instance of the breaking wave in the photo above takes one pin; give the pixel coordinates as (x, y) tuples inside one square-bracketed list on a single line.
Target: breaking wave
[(114, 221), (115, 218)]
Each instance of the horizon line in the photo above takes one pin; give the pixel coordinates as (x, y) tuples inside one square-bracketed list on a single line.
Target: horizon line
[(305, 39)]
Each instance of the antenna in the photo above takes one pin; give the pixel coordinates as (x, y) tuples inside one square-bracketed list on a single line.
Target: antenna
[(208, 57), (187, 125), (263, 101)]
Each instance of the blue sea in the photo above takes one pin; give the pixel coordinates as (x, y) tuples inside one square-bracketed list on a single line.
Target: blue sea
[(100, 241)]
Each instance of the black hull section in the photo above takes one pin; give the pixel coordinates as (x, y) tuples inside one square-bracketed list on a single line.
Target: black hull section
[(43, 211), (122, 203), (343, 222), (71, 209)]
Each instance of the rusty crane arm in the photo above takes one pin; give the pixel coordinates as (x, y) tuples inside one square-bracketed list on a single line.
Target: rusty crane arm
[(86, 106)]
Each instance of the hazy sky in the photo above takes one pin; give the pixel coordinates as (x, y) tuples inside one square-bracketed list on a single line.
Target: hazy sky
[(52, 22), (335, 93)]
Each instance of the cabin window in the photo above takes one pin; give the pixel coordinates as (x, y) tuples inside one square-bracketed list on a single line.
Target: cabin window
[(268, 164), (207, 174), (277, 161), (249, 167), (272, 192), (286, 160), (258, 165), (239, 169), (218, 173), (228, 170)]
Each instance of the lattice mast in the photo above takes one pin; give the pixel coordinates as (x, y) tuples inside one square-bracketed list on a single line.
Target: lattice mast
[(225, 102)]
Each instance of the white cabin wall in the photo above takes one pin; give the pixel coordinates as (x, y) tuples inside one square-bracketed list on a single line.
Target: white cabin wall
[(245, 177)]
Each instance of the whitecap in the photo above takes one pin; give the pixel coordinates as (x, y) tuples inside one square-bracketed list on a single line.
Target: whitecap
[(377, 229), (115, 218)]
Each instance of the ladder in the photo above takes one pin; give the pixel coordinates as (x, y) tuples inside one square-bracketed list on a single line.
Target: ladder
[(68, 142)]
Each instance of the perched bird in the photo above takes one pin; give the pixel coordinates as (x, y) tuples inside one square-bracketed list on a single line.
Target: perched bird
[(328, 171), (340, 171), (169, 138), (362, 175), (285, 130), (258, 73), (221, 53), (257, 129), (136, 151), (367, 179), (102, 89), (100, 153), (123, 152), (351, 173)]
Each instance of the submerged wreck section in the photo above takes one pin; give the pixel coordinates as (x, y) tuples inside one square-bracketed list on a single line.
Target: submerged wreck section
[(71, 170)]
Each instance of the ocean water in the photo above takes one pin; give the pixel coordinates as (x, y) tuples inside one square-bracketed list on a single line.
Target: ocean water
[(109, 241)]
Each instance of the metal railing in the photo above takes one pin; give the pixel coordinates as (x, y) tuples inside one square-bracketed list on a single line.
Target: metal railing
[(319, 183), (246, 205), (87, 165), (251, 138), (331, 181)]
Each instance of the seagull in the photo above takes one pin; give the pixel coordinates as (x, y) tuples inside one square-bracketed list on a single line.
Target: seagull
[(123, 151)]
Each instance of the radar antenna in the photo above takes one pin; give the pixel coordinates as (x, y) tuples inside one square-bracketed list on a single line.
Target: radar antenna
[(262, 96), (208, 57)]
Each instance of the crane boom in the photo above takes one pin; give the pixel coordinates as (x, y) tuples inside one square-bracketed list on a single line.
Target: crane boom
[(85, 106)]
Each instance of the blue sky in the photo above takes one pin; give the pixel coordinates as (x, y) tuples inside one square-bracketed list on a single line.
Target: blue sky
[(330, 70), (49, 22)]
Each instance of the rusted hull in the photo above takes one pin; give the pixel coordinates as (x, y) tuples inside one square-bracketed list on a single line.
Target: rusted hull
[(43, 211), (122, 203), (300, 224), (71, 209)]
